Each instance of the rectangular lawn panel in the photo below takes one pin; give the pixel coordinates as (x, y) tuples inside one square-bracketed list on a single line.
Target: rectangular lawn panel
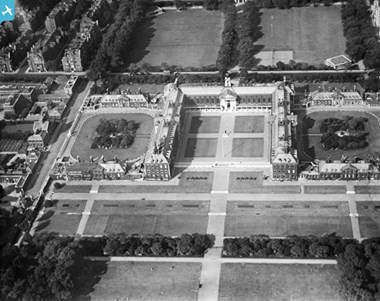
[(367, 189), (249, 124), (369, 218), (204, 124), (186, 38), (62, 224), (247, 147), (157, 281), (278, 226), (313, 33), (245, 182), (320, 189), (74, 189), (269, 282), (201, 147), (171, 225)]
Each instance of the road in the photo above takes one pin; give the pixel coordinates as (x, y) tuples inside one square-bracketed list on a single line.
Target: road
[(60, 135)]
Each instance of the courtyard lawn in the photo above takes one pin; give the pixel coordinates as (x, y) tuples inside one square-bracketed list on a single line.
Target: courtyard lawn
[(157, 281), (247, 147), (15, 128), (313, 33), (268, 282), (82, 144), (204, 124), (187, 38), (245, 182), (369, 218), (312, 124), (249, 124), (361, 189), (201, 147)]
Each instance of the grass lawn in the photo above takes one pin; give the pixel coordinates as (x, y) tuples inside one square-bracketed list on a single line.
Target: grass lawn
[(8, 145), (278, 226), (150, 207), (276, 218), (153, 281), (269, 282), (22, 127), (82, 144), (249, 124), (325, 189), (239, 184), (70, 206), (204, 124), (247, 147), (60, 223), (313, 33), (73, 189), (187, 38), (201, 147), (359, 189), (369, 218), (312, 124)]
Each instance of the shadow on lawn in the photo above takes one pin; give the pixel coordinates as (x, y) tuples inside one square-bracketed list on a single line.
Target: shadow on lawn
[(86, 278), (141, 41)]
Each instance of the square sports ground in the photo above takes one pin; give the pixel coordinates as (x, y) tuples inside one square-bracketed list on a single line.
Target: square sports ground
[(312, 33), (187, 38)]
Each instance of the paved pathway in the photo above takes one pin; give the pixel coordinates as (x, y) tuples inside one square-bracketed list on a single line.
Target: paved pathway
[(85, 215), (354, 216)]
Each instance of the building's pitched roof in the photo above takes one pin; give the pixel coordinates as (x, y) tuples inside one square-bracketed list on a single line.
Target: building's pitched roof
[(284, 158)]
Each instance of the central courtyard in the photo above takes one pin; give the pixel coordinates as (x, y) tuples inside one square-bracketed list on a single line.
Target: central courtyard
[(233, 137)]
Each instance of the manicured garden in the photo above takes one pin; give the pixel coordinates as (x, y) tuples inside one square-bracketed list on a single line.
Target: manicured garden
[(247, 147), (249, 124), (332, 146), (143, 125), (204, 124)]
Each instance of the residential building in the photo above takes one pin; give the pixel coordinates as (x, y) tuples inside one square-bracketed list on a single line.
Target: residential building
[(75, 55), (60, 14), (41, 136), (16, 103), (70, 85), (5, 59), (36, 60)]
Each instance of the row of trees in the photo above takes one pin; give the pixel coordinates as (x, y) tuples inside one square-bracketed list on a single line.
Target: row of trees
[(348, 123), (157, 245), (229, 37), (114, 133), (362, 42), (249, 31), (293, 246), (116, 43), (285, 4)]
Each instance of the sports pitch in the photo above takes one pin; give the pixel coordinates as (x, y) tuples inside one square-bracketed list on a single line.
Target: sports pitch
[(86, 134), (313, 33), (187, 38)]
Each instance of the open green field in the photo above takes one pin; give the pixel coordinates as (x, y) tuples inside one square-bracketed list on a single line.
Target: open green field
[(204, 124), (153, 281), (60, 223), (313, 33), (287, 218), (187, 38), (269, 282), (249, 124), (22, 127), (311, 125), (247, 147), (369, 218), (201, 147), (367, 189), (82, 144)]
